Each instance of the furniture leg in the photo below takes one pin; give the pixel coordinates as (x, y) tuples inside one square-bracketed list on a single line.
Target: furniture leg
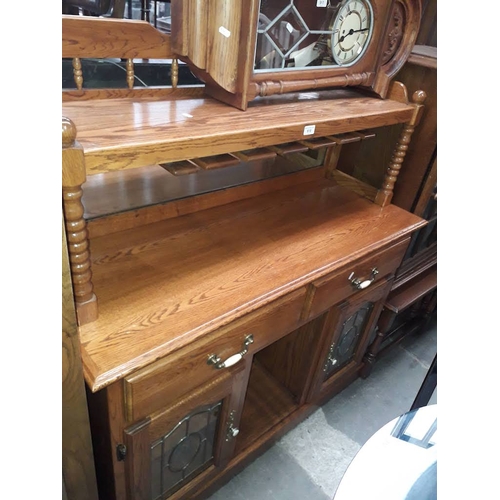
[(384, 325)]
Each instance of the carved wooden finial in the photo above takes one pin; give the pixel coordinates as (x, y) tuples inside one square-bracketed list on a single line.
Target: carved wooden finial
[(418, 99), (419, 96), (68, 132)]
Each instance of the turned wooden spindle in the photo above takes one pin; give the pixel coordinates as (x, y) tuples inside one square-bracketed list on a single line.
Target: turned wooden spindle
[(130, 73), (175, 73), (77, 73), (271, 87), (73, 176), (384, 195)]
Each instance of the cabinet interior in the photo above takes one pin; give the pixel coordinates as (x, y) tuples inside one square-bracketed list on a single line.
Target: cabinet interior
[(279, 382)]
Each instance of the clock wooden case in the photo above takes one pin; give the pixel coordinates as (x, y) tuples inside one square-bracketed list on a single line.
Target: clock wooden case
[(242, 50)]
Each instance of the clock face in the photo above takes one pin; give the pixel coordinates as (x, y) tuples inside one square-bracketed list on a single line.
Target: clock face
[(352, 29)]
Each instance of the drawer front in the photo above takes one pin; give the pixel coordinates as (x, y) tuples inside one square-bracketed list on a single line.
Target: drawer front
[(160, 384), (329, 290)]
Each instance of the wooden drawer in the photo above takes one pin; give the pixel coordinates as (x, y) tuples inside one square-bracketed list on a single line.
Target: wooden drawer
[(160, 384), (329, 290)]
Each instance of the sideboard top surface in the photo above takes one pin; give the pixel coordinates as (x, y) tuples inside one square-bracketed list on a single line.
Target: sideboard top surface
[(164, 285), (135, 132)]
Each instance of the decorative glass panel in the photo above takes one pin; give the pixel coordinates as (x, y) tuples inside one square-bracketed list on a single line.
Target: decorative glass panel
[(184, 452), (343, 349), (295, 34)]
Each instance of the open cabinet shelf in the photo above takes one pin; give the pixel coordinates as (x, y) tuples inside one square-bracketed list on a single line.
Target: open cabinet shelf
[(267, 403)]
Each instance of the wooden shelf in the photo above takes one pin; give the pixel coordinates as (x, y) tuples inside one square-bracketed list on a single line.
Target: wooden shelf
[(126, 133), (267, 403), (163, 285), (409, 293)]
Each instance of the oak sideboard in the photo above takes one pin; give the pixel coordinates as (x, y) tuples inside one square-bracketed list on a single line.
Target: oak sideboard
[(227, 278)]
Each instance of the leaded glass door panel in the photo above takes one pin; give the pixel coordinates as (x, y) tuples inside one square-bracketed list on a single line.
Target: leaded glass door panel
[(346, 333), (170, 451)]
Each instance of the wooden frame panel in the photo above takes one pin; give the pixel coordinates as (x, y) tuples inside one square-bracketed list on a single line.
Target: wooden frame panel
[(104, 37)]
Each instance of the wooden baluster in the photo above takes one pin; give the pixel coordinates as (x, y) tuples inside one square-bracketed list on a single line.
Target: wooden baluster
[(73, 176), (384, 195), (130, 73), (77, 73), (174, 72)]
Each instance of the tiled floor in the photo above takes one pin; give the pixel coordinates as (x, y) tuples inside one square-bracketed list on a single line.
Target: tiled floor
[(309, 461)]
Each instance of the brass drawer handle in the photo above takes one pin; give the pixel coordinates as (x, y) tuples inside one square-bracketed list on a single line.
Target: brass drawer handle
[(361, 285), (215, 360)]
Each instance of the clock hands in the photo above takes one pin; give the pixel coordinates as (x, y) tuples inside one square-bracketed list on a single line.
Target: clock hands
[(350, 32)]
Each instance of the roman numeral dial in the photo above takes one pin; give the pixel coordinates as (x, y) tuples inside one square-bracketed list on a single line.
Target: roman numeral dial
[(352, 29)]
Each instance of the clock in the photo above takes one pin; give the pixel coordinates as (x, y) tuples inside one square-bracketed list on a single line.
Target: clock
[(352, 29), (246, 49)]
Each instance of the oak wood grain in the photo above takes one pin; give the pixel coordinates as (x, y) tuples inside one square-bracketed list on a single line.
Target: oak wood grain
[(164, 285), (86, 36), (197, 91), (77, 454), (360, 187), (127, 133), (166, 380), (325, 292), (138, 462)]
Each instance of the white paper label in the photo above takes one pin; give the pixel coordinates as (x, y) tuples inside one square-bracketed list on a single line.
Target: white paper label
[(289, 27), (321, 3), (224, 31), (309, 129)]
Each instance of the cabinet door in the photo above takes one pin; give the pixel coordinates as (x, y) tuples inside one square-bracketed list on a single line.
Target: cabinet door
[(346, 333), (171, 452)]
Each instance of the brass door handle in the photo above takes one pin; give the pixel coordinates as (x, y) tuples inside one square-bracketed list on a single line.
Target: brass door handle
[(361, 285), (215, 360)]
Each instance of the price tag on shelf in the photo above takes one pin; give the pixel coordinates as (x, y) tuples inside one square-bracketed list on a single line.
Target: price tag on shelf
[(224, 31)]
